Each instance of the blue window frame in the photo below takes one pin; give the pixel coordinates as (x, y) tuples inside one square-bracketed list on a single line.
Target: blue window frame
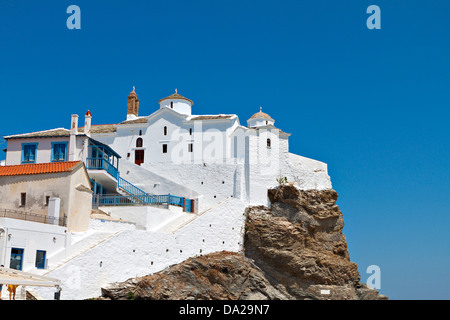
[(40, 259), (29, 152), (59, 151), (16, 258)]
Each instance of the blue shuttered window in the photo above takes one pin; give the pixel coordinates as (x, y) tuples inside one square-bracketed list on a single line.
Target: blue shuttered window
[(59, 151), (29, 152)]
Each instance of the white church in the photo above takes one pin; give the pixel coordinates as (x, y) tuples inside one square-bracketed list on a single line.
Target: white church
[(213, 156), (132, 198)]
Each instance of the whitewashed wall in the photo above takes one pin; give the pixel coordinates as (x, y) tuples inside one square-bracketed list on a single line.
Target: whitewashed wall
[(139, 253), (179, 105), (31, 236)]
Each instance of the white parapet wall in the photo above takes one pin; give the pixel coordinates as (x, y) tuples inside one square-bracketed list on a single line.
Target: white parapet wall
[(145, 217), (134, 253)]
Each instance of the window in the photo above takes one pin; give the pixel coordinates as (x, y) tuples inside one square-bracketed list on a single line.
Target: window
[(59, 151), (29, 152), (171, 104), (164, 148), (268, 143), (140, 132), (23, 199), (16, 259), (40, 259), (190, 147), (47, 200), (139, 143), (190, 131), (165, 131)]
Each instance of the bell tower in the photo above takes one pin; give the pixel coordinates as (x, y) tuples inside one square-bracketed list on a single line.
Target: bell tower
[(133, 105)]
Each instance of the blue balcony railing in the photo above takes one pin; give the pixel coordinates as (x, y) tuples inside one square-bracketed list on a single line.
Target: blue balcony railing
[(140, 200), (121, 200), (130, 188), (102, 164)]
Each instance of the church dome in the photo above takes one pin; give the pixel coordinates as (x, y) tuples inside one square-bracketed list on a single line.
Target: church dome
[(260, 119), (177, 103), (176, 96)]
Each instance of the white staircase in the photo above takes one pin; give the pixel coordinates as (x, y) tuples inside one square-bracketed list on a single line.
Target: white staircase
[(79, 246)]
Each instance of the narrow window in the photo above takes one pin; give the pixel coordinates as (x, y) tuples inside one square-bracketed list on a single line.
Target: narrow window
[(190, 147), (268, 143), (171, 104), (16, 258), (23, 199), (139, 143), (190, 131), (47, 200), (140, 132), (165, 131), (267, 122), (164, 146), (40, 259)]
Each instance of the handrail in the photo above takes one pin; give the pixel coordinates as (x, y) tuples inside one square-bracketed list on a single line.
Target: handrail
[(130, 188), (102, 164), (130, 200), (29, 216)]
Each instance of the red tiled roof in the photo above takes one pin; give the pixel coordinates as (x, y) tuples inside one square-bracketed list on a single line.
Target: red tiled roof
[(38, 168)]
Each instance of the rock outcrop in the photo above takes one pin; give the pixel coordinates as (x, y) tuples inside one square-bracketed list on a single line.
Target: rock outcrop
[(293, 250), (216, 276)]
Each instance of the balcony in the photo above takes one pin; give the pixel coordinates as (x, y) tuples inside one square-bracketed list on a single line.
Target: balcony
[(102, 164)]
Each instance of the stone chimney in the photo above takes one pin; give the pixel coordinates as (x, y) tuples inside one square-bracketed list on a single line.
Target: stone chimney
[(133, 105), (73, 137), (74, 124), (87, 123)]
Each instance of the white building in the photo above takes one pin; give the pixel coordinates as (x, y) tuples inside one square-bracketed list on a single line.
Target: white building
[(213, 155), (210, 165)]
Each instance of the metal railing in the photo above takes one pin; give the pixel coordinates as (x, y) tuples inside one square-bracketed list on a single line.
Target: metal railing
[(33, 217), (129, 200), (131, 188), (136, 200), (102, 164)]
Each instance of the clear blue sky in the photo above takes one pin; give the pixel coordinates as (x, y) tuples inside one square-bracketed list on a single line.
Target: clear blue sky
[(373, 104)]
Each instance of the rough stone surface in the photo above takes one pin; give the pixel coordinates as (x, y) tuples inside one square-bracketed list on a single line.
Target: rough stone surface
[(216, 276), (293, 250)]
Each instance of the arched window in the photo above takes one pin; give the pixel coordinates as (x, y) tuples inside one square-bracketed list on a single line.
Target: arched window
[(140, 132), (139, 143), (268, 143), (165, 131)]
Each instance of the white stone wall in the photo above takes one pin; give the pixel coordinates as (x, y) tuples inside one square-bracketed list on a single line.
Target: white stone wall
[(145, 217), (211, 139), (135, 253), (30, 236), (214, 182), (179, 105)]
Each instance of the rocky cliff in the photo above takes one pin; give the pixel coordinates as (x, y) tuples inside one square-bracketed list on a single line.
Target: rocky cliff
[(293, 250)]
